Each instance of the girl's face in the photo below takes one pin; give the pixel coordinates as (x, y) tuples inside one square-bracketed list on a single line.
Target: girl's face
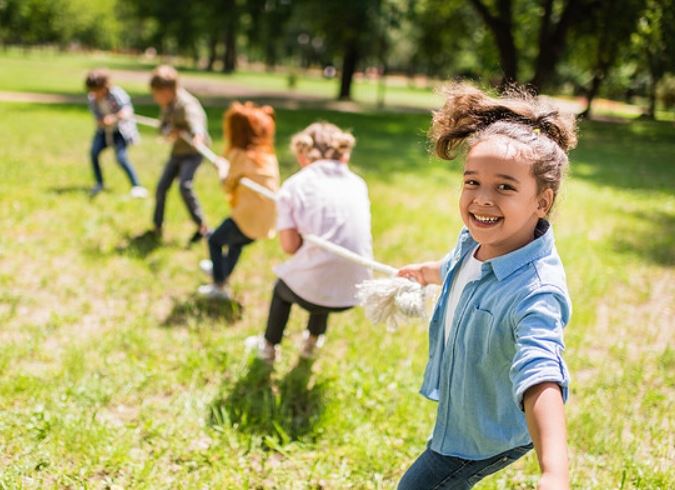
[(499, 203)]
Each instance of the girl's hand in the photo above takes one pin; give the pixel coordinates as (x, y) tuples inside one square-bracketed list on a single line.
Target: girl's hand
[(109, 120), (424, 273), (223, 166)]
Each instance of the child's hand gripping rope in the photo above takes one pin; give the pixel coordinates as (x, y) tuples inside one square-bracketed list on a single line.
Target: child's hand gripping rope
[(389, 300)]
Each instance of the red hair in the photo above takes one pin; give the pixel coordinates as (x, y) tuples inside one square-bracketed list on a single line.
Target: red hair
[(250, 128)]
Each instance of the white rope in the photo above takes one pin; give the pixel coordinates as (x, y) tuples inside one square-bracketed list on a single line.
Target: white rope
[(389, 300)]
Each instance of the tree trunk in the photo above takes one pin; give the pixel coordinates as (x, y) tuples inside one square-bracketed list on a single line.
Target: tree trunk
[(501, 27), (213, 51), (591, 93), (651, 107), (270, 55), (552, 41), (230, 54), (351, 58)]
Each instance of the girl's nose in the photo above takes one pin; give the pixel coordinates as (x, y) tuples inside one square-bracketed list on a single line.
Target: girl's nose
[(483, 199)]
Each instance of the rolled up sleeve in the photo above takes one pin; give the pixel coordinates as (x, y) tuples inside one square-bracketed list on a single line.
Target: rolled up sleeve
[(538, 330), (285, 210)]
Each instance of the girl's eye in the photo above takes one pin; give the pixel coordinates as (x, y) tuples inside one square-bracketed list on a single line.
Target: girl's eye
[(470, 182), (505, 187)]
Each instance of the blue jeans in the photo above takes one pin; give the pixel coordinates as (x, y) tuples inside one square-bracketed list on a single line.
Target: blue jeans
[(183, 167), (228, 233), (433, 471), (99, 143)]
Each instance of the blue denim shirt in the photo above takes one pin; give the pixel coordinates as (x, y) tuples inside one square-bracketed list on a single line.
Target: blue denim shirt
[(506, 336)]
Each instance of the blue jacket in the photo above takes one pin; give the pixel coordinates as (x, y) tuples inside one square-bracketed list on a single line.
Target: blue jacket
[(506, 336)]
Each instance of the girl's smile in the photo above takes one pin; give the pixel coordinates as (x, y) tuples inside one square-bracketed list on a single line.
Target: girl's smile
[(500, 203)]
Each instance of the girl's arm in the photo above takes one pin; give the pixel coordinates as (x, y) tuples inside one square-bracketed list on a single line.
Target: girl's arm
[(290, 240), (425, 273), (545, 417)]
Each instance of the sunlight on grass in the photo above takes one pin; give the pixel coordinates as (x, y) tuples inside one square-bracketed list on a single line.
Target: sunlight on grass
[(113, 373)]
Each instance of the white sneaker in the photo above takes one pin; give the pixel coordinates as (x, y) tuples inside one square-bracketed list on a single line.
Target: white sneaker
[(266, 351), (139, 192), (206, 266), (211, 291), (310, 345)]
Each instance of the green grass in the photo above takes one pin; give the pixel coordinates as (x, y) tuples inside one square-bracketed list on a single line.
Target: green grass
[(113, 374), (54, 72)]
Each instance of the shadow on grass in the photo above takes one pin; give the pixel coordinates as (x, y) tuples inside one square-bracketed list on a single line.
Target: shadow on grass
[(282, 411), (70, 189), (139, 245), (198, 309), (655, 243), (635, 156)]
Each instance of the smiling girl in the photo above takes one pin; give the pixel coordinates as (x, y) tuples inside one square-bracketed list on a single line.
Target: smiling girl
[(496, 336)]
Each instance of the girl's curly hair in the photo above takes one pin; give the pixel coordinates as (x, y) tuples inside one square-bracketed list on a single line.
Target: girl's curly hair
[(470, 116), (322, 140)]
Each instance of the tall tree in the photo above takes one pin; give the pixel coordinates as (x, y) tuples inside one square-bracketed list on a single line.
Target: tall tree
[(556, 20), (501, 25), (607, 34), (654, 40), (343, 24)]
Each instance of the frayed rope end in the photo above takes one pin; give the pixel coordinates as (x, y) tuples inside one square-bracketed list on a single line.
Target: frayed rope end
[(392, 301)]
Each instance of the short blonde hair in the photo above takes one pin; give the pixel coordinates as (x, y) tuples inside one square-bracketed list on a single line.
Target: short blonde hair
[(164, 76), (322, 140)]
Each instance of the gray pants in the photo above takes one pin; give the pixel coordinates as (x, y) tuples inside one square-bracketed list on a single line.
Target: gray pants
[(183, 167)]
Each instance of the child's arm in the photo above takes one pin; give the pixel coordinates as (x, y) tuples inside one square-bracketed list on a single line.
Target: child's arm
[(290, 240), (424, 273), (545, 417), (124, 103)]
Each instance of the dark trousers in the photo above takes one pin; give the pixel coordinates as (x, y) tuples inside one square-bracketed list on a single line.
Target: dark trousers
[(183, 167), (99, 143), (280, 309), (435, 471), (227, 234)]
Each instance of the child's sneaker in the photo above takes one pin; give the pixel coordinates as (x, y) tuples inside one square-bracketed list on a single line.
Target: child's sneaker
[(266, 351), (202, 232), (139, 192), (310, 345), (206, 267), (96, 190), (211, 291)]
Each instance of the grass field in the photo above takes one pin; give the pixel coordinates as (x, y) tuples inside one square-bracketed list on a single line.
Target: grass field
[(114, 375)]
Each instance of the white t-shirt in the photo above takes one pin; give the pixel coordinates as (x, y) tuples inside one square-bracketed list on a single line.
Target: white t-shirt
[(325, 199), (469, 271)]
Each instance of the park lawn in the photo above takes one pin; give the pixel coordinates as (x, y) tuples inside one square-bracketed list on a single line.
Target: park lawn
[(54, 72), (114, 375)]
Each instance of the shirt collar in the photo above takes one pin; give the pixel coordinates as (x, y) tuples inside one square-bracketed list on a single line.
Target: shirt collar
[(505, 265)]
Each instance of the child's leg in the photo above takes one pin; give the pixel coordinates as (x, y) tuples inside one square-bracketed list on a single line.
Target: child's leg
[(237, 243), (188, 167), (170, 172), (97, 146), (228, 233), (280, 309), (122, 159), (433, 470), (317, 323)]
